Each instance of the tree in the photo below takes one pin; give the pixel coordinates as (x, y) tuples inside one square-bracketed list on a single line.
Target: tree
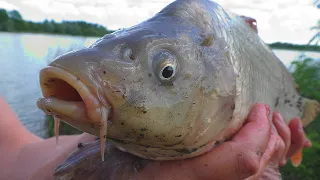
[(14, 14), (3, 20)]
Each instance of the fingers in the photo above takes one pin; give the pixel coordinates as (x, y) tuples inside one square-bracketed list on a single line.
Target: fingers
[(267, 155), (239, 158), (284, 132), (257, 130), (298, 138)]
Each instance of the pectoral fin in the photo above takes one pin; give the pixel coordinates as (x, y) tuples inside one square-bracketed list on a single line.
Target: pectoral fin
[(296, 159)]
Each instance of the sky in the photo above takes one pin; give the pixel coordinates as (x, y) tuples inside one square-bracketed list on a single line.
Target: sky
[(277, 20)]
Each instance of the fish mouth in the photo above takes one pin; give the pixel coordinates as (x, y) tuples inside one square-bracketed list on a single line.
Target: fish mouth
[(67, 98)]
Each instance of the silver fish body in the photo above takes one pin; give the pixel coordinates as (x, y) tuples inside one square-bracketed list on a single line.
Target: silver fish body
[(177, 84)]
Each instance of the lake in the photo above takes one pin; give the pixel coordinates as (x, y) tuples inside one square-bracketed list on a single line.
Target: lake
[(22, 55)]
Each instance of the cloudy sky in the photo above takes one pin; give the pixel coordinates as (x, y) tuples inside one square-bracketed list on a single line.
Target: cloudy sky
[(278, 20)]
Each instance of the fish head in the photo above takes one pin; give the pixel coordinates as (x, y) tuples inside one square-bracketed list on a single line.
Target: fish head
[(162, 92)]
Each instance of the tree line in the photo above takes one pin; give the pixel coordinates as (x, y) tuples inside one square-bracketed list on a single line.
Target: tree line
[(12, 21)]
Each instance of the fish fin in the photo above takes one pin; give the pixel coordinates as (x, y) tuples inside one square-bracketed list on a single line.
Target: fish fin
[(311, 109), (85, 163), (296, 159)]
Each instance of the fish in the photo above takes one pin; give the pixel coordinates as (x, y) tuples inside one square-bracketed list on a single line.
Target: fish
[(172, 87)]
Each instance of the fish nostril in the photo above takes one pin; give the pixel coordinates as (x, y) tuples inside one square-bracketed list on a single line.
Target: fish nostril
[(132, 57)]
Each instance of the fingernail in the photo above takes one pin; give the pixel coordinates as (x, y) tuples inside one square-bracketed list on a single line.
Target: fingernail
[(283, 162), (308, 143), (278, 117), (268, 110)]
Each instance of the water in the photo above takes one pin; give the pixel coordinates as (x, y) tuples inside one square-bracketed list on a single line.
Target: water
[(21, 58), (23, 55)]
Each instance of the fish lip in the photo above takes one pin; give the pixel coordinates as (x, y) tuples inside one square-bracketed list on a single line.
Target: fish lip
[(92, 103)]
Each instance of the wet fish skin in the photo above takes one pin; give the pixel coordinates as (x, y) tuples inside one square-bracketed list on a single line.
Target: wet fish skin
[(223, 69)]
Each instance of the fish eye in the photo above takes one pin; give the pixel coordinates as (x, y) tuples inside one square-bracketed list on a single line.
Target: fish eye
[(167, 72), (165, 66)]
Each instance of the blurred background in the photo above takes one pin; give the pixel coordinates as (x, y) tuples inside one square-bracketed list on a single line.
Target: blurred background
[(34, 32)]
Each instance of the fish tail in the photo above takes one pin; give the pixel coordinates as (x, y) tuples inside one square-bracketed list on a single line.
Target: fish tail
[(311, 109), (296, 159)]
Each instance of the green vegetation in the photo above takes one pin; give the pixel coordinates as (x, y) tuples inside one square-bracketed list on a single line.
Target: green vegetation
[(306, 72), (280, 45), (12, 21), (64, 128)]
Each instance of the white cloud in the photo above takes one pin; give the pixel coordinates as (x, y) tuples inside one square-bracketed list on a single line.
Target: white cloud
[(8, 6), (285, 20)]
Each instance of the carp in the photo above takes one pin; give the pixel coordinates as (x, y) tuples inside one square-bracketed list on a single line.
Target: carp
[(172, 87)]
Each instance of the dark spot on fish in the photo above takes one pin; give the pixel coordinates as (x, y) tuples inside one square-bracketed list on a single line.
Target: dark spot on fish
[(233, 106), (122, 123), (132, 57), (141, 135), (290, 105), (156, 136), (277, 101), (178, 135), (286, 101), (144, 111), (78, 79), (193, 103), (80, 145), (149, 74), (104, 72), (194, 149), (186, 97)]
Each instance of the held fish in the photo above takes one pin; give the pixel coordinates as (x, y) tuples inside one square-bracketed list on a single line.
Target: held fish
[(171, 87)]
